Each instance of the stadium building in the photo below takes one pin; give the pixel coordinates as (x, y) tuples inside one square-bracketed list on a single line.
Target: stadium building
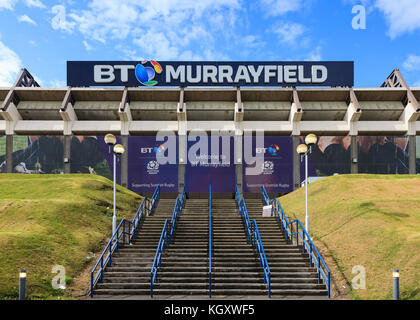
[(60, 130)]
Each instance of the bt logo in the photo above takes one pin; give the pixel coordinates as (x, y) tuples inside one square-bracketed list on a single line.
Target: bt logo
[(273, 150), (103, 73), (158, 150), (145, 75)]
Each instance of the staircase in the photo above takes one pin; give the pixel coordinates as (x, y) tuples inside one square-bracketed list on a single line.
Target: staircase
[(290, 270), (130, 270), (184, 269), (236, 269)]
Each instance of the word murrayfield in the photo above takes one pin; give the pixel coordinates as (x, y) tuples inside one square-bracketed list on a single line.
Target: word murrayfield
[(153, 73)]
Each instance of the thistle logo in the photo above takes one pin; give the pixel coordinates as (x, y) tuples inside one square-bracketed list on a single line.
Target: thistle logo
[(145, 75), (273, 150)]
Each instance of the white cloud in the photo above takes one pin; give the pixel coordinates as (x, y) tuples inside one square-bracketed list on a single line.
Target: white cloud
[(59, 21), (402, 16), (252, 41), (315, 55), (34, 3), (280, 7), (25, 18), (159, 29), (412, 63), (7, 4), (10, 65), (88, 47), (288, 32), (156, 45), (116, 19)]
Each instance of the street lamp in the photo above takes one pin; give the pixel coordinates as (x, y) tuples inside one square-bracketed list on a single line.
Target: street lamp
[(304, 150), (118, 150)]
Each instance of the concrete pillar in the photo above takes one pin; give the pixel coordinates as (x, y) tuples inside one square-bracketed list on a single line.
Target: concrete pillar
[(182, 161), (124, 161), (67, 153), (239, 177), (181, 177), (354, 152), (296, 163), (412, 154), (9, 153), (238, 162)]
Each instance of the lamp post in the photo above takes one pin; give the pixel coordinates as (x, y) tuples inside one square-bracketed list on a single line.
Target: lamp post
[(118, 150), (304, 150)]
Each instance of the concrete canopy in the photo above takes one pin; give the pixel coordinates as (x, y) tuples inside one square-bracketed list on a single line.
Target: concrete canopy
[(278, 111)]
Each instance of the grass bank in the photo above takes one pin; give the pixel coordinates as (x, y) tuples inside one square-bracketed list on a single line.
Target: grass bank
[(48, 220), (366, 220)]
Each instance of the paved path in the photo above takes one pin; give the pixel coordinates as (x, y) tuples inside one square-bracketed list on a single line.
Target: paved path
[(190, 297)]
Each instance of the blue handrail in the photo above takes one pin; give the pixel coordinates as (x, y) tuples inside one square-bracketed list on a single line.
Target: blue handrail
[(157, 261), (166, 239), (179, 205), (254, 238), (210, 241), (114, 243), (265, 196), (307, 244), (263, 259)]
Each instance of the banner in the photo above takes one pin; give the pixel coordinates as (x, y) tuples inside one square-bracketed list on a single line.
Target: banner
[(209, 160), (210, 163), (151, 73)]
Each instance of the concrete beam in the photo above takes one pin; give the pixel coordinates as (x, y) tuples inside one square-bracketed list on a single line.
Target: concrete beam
[(124, 113), (140, 127), (28, 127), (124, 110), (353, 112), (67, 112), (296, 113), (181, 110), (2, 127), (239, 107)]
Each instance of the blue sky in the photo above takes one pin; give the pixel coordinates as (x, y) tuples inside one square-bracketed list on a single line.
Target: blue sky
[(42, 35)]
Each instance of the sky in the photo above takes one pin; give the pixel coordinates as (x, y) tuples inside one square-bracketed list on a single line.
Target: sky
[(41, 35)]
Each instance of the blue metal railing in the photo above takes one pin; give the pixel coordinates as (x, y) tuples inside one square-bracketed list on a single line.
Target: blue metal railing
[(307, 244), (265, 196), (166, 239), (157, 261), (254, 238), (210, 241), (263, 259), (125, 227), (179, 205)]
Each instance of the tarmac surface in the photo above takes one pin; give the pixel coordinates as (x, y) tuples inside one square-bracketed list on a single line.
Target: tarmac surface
[(192, 297)]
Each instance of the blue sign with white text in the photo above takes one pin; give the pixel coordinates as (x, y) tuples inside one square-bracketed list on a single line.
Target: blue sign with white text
[(149, 73)]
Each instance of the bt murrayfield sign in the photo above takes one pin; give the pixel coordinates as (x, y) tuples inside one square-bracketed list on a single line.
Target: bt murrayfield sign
[(198, 73)]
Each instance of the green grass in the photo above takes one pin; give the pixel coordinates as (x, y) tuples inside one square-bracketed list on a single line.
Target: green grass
[(48, 220), (368, 220)]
